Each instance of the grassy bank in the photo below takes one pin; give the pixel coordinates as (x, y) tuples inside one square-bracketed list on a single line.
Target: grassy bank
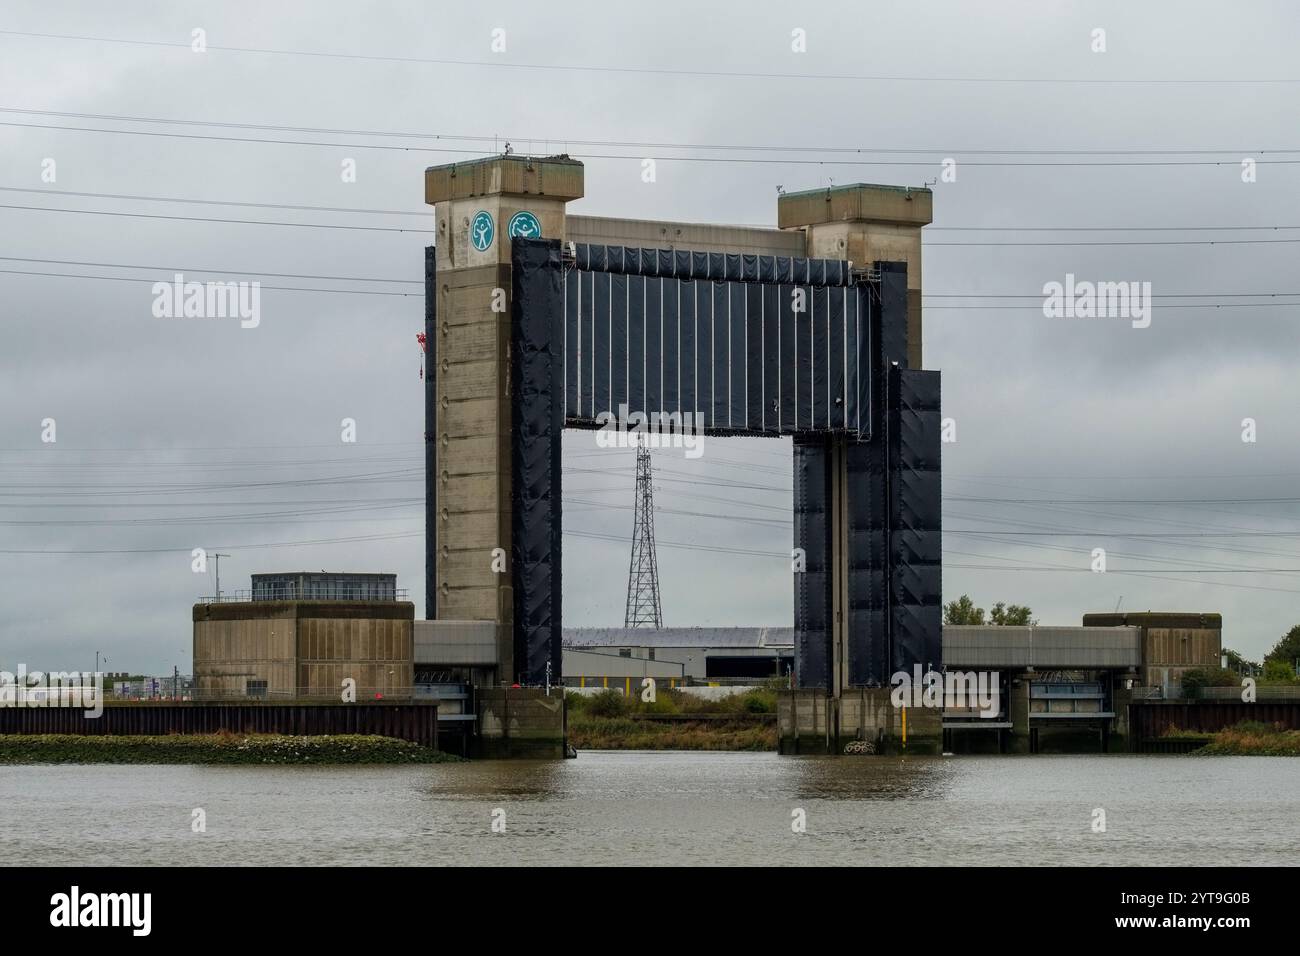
[(674, 721), (1253, 739), (213, 749)]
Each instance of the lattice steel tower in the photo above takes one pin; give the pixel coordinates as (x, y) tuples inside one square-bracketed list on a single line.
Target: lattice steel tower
[(643, 609)]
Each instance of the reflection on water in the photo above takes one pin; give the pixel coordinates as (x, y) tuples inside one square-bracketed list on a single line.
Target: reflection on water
[(643, 808)]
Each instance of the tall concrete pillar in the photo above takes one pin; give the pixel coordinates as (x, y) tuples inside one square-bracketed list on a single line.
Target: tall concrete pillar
[(866, 224), (479, 207)]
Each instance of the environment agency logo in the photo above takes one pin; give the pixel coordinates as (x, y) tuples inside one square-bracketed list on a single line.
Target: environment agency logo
[(523, 225), (482, 230)]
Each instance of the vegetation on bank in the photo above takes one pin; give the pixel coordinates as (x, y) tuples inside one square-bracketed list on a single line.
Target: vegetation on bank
[(610, 721), (221, 748), (1254, 738), (1246, 739)]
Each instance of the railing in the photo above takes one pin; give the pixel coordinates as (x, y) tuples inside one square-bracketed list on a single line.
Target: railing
[(312, 594), (309, 694), (1152, 693), (1175, 692), (1043, 691)]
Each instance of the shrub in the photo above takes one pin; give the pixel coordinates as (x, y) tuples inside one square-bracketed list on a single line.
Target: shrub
[(608, 703), (1278, 672), (1256, 727), (664, 703), (1193, 680)]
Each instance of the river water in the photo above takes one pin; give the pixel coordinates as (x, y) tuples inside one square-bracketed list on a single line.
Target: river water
[(686, 808)]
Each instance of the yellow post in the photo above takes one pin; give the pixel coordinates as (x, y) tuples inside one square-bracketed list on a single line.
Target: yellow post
[(606, 682), (582, 681), (627, 687), (904, 728)]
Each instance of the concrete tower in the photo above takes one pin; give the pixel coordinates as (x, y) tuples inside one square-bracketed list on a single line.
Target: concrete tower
[(478, 207)]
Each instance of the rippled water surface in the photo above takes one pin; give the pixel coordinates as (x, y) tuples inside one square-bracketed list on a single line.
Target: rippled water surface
[(638, 808)]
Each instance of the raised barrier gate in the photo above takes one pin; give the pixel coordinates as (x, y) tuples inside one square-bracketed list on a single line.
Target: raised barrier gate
[(744, 345)]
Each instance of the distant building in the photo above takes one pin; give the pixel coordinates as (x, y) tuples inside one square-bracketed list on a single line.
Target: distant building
[(1151, 649), (145, 688), (690, 653), (302, 634)]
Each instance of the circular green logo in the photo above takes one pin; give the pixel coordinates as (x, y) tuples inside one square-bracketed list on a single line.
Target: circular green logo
[(482, 230), (523, 225)]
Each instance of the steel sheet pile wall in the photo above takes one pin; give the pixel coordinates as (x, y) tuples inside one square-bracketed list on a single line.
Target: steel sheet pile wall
[(416, 722), (747, 344)]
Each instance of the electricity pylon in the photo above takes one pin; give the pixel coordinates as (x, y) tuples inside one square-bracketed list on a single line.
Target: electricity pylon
[(643, 609)]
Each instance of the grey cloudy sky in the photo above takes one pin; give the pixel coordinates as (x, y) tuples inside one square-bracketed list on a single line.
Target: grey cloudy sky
[(176, 434)]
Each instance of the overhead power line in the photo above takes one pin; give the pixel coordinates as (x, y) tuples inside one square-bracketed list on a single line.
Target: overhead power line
[(496, 139), (1039, 296), (639, 157), (246, 272), (1120, 242), (242, 222), (277, 288), (306, 207), (504, 64), (215, 202), (230, 547), (416, 281), (400, 229), (1120, 501)]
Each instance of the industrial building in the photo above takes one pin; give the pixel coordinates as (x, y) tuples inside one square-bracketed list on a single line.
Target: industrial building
[(1171, 643), (699, 654), (1148, 649), (303, 635)]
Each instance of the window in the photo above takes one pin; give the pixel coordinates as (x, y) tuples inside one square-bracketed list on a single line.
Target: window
[(625, 652), (651, 652), (255, 688)]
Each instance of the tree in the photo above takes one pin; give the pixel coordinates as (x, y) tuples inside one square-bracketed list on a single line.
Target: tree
[(1278, 671), (1287, 650), (1238, 663), (963, 611), (1017, 615)]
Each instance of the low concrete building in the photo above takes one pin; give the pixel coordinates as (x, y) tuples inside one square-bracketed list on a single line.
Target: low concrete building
[(464, 652), (303, 648), (1171, 643), (1058, 688)]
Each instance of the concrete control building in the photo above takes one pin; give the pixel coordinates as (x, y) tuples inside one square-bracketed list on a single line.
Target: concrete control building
[(301, 635)]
